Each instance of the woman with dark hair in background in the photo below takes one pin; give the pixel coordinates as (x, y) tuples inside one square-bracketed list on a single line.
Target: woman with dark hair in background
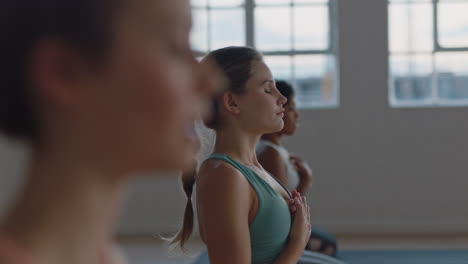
[(100, 91), (291, 170)]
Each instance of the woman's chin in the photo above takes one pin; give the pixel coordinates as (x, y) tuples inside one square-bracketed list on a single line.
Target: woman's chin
[(274, 129)]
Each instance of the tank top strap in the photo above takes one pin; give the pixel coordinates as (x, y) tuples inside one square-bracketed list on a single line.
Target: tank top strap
[(258, 184)]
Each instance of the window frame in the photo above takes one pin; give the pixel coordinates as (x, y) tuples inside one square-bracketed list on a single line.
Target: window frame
[(434, 100), (249, 7)]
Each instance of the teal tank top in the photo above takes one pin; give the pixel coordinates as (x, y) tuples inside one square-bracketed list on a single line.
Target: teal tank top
[(269, 230)]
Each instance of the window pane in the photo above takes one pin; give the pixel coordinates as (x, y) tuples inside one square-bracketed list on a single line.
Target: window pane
[(198, 2), (311, 27), (452, 75), (226, 3), (411, 77), (286, 2), (279, 27), (273, 28), (410, 27), (228, 28), (311, 1), (453, 24), (199, 34), (272, 2), (314, 79), (280, 66), (408, 1)]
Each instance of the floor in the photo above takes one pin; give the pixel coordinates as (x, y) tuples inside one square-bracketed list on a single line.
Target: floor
[(356, 249), (146, 251)]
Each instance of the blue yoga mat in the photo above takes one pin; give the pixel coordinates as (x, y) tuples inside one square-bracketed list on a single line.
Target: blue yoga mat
[(404, 256)]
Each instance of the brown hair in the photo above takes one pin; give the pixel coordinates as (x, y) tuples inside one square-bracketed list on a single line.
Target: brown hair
[(83, 24), (236, 64)]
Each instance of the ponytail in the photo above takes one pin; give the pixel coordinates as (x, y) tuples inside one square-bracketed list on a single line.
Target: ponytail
[(182, 236)]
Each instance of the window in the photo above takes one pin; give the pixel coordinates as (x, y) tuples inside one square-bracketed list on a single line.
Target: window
[(428, 53), (296, 37)]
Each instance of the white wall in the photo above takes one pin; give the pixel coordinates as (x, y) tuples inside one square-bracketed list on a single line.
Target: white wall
[(154, 205), (377, 169)]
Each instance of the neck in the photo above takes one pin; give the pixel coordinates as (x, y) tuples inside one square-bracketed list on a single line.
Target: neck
[(274, 138), (238, 144), (67, 209)]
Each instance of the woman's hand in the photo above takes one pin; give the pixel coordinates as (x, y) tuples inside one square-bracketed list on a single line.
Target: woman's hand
[(304, 172), (301, 228)]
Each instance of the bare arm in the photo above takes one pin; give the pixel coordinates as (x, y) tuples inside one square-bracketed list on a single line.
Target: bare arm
[(271, 161), (303, 186), (290, 255), (304, 172), (224, 201), (223, 209), (299, 234)]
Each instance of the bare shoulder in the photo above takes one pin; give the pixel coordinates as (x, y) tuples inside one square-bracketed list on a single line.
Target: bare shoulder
[(223, 206), (268, 155), (219, 174), (222, 193), (272, 162)]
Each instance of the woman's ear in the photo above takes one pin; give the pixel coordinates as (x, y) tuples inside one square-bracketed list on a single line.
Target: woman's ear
[(229, 101)]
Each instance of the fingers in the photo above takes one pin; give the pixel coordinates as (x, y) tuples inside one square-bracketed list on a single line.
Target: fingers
[(295, 193), (298, 198), (295, 158), (307, 209), (292, 206), (304, 199), (298, 201), (295, 161)]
